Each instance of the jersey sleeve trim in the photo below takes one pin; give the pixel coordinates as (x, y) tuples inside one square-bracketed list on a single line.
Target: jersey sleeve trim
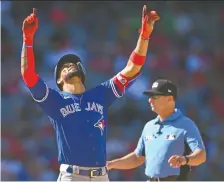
[(44, 98), (114, 89), (121, 82)]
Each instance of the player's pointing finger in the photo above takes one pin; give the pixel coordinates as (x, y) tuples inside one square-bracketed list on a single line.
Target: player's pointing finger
[(144, 11), (34, 11)]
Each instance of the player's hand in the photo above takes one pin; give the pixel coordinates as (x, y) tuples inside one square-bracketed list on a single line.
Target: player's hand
[(148, 21), (30, 25), (176, 161)]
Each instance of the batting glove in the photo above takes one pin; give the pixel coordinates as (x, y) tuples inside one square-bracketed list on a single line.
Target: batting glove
[(30, 25), (148, 20)]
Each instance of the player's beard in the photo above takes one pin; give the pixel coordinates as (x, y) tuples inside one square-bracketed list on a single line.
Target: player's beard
[(72, 74)]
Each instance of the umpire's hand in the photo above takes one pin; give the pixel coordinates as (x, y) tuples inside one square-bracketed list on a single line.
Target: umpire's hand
[(176, 161)]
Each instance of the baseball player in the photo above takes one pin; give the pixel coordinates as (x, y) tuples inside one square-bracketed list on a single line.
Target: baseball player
[(79, 116)]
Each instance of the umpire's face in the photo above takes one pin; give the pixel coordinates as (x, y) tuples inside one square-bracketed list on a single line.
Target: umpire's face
[(159, 103)]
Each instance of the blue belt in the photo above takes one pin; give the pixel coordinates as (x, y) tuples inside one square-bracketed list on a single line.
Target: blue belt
[(88, 172)]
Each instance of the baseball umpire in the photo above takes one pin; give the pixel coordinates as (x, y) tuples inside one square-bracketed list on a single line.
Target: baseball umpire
[(162, 143), (79, 116)]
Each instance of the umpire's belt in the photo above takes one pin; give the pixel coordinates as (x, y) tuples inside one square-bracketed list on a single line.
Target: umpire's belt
[(84, 171), (168, 178)]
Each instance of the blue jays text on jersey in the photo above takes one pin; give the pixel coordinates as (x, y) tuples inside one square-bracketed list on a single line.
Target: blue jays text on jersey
[(80, 120), (75, 107)]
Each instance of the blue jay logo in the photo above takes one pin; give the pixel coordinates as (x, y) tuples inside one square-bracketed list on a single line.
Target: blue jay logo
[(100, 124)]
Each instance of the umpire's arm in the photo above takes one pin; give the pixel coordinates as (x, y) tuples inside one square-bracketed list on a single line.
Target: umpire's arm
[(197, 157), (195, 142), (131, 160)]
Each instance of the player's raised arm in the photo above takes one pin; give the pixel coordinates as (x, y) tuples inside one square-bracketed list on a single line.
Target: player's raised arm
[(38, 88), (138, 56), (46, 97), (126, 77), (30, 25)]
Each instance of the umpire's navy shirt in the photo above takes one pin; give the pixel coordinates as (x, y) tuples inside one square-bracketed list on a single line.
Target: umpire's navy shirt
[(160, 140)]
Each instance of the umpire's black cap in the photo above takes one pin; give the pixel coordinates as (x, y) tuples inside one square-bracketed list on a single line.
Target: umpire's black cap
[(162, 87)]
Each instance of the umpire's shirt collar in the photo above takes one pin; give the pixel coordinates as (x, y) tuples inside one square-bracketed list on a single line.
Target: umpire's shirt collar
[(172, 118)]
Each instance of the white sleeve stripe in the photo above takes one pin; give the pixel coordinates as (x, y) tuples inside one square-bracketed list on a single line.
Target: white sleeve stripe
[(114, 89), (44, 98)]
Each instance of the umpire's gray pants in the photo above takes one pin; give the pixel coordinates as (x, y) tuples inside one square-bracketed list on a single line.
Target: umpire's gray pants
[(66, 176)]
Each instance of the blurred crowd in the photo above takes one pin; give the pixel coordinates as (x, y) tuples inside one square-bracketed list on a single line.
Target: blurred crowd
[(185, 47)]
